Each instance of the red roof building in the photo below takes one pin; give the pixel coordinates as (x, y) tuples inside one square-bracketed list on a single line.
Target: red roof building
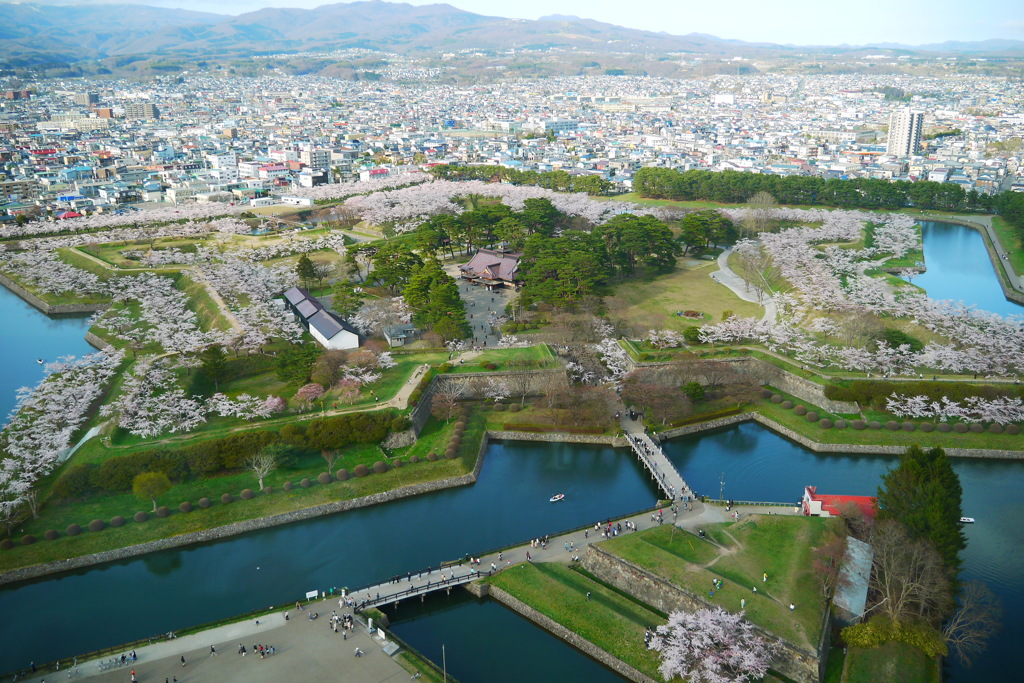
[(492, 269), (823, 505)]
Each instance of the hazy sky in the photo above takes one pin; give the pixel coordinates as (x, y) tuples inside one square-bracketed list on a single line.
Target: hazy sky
[(802, 22)]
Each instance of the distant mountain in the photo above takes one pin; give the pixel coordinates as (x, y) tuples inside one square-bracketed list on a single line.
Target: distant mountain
[(32, 33)]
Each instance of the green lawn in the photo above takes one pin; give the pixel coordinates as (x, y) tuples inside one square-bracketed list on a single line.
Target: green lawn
[(890, 662), (1010, 238), (780, 546), (608, 619), (652, 301), (210, 315), (540, 355)]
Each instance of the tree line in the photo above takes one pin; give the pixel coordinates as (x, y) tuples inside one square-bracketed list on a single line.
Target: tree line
[(560, 181)]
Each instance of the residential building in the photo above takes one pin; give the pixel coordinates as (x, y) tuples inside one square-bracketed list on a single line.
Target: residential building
[(905, 128)]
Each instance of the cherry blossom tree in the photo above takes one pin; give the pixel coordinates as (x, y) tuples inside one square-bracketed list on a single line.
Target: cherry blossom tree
[(712, 646), (308, 393)]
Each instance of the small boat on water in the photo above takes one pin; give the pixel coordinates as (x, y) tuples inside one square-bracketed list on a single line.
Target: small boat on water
[(557, 497), (967, 520), (39, 360)]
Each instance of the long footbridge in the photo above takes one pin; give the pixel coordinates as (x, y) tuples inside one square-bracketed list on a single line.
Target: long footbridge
[(657, 463)]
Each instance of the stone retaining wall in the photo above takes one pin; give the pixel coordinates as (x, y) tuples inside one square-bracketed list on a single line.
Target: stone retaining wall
[(560, 437), (804, 389), (574, 639), (96, 342), (49, 309), (795, 662)]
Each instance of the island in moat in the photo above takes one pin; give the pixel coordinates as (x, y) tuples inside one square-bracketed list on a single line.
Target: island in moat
[(254, 373)]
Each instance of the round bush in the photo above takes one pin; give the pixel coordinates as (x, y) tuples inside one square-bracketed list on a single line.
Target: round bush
[(960, 428), (995, 428), (944, 427), (380, 467), (812, 416), (977, 428), (287, 486), (28, 539), (227, 498), (432, 456), (305, 483), (342, 474), (766, 393), (457, 433), (73, 530), (247, 494), (514, 408), (117, 520), (461, 424), (97, 525), (267, 490), (842, 424), (324, 478), (185, 507), (892, 425), (414, 459), (51, 535), (140, 516), (788, 405), (909, 426), (360, 470), (927, 427), (205, 502), (397, 462), (6, 544), (499, 407), (825, 424), (775, 398), (858, 424), (874, 424), (800, 410), (1012, 429), (163, 511)]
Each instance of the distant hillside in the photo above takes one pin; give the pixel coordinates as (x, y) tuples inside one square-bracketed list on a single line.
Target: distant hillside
[(41, 34)]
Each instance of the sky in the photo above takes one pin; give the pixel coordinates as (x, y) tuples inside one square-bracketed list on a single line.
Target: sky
[(798, 22)]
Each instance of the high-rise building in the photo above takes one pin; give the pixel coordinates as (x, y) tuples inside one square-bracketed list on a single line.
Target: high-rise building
[(141, 110), (905, 132), (87, 99)]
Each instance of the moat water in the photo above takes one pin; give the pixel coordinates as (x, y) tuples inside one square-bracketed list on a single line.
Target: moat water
[(80, 611)]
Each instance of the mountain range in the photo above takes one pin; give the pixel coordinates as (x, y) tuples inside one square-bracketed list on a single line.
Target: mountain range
[(47, 34)]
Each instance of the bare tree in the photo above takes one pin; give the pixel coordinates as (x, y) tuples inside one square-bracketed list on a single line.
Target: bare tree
[(974, 622), (828, 563), (329, 456), (760, 215), (908, 578), (519, 378), (261, 464), (445, 403), (321, 271), (757, 268)]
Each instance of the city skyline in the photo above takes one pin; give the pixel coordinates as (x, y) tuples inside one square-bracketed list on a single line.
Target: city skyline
[(794, 22)]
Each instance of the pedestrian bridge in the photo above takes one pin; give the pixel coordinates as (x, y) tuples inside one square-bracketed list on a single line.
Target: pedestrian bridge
[(658, 464)]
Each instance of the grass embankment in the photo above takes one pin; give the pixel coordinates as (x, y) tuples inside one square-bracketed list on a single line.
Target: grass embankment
[(782, 547), (652, 301), (890, 662), (609, 620), (879, 437), (1010, 238), (209, 314), (540, 356), (279, 501)]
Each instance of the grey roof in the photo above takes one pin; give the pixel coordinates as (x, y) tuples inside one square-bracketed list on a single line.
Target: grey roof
[(852, 595), (307, 308), (294, 295), (327, 325)]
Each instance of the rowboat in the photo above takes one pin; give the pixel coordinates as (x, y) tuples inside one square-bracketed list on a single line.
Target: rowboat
[(557, 497), (967, 520)]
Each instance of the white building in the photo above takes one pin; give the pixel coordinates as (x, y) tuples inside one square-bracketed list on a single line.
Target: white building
[(905, 132), (331, 331)]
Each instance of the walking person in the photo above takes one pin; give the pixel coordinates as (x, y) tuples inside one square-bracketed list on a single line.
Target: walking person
[(213, 651), (183, 660)]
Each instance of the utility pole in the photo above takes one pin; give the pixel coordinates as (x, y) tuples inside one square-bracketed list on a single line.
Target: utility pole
[(721, 489)]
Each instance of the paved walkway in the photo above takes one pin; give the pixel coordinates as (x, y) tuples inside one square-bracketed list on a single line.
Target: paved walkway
[(306, 651), (726, 276), (482, 306)]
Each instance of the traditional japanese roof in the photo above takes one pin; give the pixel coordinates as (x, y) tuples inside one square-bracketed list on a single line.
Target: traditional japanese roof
[(308, 308), (492, 265), (295, 295), (328, 325)]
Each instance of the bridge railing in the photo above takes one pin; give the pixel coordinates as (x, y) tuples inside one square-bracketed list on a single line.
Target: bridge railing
[(418, 590)]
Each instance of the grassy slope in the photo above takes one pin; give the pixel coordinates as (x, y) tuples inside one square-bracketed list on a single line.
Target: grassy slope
[(890, 662), (609, 620), (780, 546)]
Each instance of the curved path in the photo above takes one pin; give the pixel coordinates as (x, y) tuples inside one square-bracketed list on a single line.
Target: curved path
[(726, 276)]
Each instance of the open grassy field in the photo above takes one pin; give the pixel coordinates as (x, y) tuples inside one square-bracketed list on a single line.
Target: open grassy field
[(608, 619), (890, 662), (1011, 241), (539, 354), (652, 300), (779, 546)]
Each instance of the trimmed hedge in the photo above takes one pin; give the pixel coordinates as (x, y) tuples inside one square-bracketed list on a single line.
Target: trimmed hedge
[(788, 405), (944, 427), (776, 398), (531, 427), (927, 427), (960, 428), (800, 410), (414, 459), (342, 474), (28, 539), (995, 428), (140, 516), (117, 520), (976, 428), (892, 425), (73, 530), (6, 544), (879, 630), (858, 424), (97, 525), (185, 507), (812, 416), (227, 498), (305, 483), (287, 486), (380, 467), (909, 426), (875, 392), (874, 424), (841, 424), (432, 456), (397, 462), (825, 424), (247, 494), (324, 478), (51, 535), (205, 502), (1012, 429), (163, 511), (766, 393), (360, 470)]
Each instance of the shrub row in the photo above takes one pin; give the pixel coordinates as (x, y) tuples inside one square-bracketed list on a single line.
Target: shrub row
[(205, 458), (531, 427), (880, 630), (875, 392)]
